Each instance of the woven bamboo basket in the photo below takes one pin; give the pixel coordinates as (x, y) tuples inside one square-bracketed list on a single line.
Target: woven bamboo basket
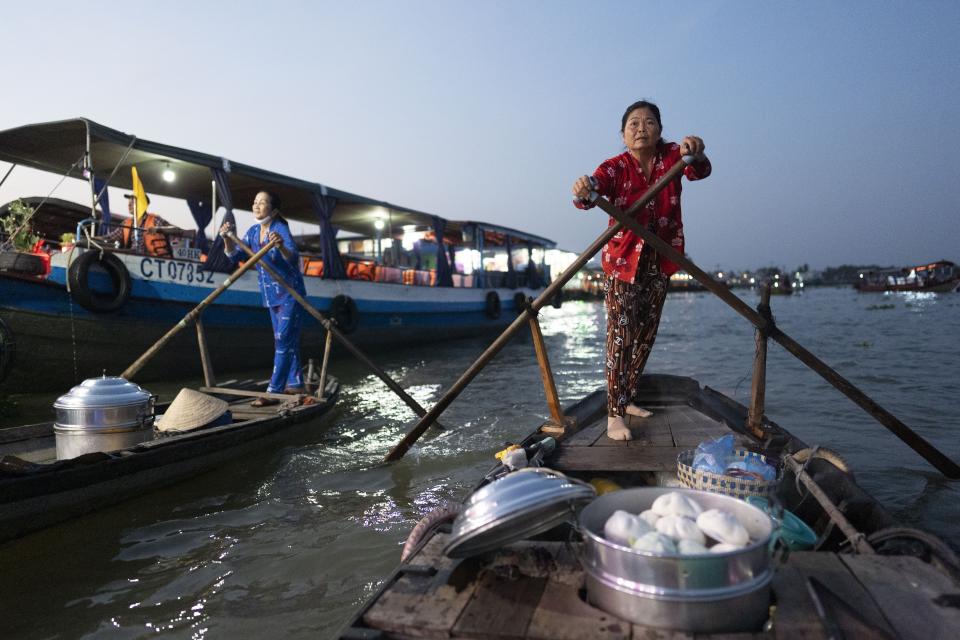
[(724, 484)]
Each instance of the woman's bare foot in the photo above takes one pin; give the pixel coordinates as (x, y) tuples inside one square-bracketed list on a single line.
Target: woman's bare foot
[(638, 412), (617, 429)]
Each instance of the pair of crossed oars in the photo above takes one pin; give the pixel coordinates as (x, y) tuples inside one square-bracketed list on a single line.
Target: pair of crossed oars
[(624, 219), (326, 322)]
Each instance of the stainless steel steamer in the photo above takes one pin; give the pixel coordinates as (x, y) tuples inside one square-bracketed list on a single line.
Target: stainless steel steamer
[(102, 414), (713, 592)]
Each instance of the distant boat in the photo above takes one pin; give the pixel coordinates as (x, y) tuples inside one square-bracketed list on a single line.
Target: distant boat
[(683, 281), (74, 306), (941, 276)]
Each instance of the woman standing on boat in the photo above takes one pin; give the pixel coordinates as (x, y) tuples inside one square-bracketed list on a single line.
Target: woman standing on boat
[(285, 314), (636, 277)]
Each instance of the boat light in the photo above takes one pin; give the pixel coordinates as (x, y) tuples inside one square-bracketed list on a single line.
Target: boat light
[(378, 224), (168, 174)]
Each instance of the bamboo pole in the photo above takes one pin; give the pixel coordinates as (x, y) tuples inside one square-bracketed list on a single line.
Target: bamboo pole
[(332, 328), (759, 386), (327, 344), (856, 538), (916, 442), (134, 368), (544, 298), (549, 385), (205, 360)]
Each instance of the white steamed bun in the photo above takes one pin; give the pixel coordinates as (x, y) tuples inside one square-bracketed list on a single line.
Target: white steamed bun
[(722, 526), (650, 517), (723, 547), (676, 504), (680, 528), (623, 528), (691, 548), (654, 542)]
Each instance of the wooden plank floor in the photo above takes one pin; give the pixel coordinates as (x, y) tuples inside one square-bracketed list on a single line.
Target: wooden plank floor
[(534, 590), (657, 441)]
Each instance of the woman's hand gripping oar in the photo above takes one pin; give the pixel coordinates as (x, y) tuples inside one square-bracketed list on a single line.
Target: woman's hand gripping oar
[(332, 328)]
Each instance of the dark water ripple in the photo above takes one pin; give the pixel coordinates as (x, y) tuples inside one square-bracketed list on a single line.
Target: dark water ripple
[(289, 543)]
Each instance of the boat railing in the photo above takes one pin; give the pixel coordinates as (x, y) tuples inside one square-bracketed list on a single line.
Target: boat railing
[(762, 319)]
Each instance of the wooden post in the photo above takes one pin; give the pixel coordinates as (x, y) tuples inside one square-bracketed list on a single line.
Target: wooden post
[(323, 368), (759, 387), (194, 313), (560, 422), (545, 297), (914, 440), (205, 361)]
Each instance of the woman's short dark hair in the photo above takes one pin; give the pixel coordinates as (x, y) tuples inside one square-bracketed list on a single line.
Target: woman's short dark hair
[(274, 200), (641, 104)]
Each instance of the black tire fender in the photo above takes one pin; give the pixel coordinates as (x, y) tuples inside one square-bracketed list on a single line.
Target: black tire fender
[(8, 348), (557, 300), (79, 279), (492, 308), (22, 262), (519, 302), (343, 310)]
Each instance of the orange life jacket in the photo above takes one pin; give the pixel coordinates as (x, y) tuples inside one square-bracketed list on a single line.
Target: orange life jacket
[(154, 242)]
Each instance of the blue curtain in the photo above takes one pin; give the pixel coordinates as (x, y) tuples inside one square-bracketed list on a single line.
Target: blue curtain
[(216, 259), (99, 186), (444, 275), (511, 274), (200, 210), (533, 274), (481, 279), (333, 268)]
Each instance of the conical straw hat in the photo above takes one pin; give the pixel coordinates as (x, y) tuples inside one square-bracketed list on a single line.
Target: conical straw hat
[(191, 409)]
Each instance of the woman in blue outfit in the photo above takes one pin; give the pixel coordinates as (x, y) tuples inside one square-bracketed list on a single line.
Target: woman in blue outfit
[(285, 313)]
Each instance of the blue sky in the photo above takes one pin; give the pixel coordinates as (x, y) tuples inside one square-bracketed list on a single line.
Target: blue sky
[(832, 126)]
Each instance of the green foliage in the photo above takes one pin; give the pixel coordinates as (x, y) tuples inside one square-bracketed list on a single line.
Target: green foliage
[(13, 226)]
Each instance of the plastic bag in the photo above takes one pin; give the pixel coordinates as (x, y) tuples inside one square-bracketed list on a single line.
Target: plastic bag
[(752, 468), (714, 456)]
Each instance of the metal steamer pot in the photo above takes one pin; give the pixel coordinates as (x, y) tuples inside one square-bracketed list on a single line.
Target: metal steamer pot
[(102, 414), (710, 593)]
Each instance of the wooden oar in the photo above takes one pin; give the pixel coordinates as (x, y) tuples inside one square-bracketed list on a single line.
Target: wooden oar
[(522, 320), (332, 328), (916, 442), (134, 368)]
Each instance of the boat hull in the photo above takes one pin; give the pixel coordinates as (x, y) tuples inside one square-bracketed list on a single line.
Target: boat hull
[(31, 499), (54, 342)]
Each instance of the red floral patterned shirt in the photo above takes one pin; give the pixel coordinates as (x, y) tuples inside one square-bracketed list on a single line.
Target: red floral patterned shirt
[(621, 181)]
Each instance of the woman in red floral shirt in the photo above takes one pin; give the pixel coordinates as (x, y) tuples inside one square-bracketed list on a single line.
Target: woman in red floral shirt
[(636, 282)]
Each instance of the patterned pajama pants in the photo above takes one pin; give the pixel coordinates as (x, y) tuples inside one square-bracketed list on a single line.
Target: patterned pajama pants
[(633, 316), (286, 338)]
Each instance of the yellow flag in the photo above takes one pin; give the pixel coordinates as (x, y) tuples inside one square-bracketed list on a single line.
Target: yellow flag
[(140, 196)]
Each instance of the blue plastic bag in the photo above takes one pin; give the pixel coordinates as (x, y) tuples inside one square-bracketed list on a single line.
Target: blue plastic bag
[(714, 456), (753, 465)]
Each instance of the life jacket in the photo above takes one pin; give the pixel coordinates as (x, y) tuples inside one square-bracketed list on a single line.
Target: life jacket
[(155, 243)]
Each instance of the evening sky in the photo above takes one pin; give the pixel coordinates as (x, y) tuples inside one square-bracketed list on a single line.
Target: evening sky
[(832, 126)]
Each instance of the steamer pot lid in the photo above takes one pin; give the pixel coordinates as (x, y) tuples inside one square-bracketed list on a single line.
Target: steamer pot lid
[(106, 391), (519, 505)]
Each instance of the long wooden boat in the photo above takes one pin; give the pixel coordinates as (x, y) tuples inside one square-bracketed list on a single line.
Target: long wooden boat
[(936, 277), (89, 305), (37, 490), (868, 577)]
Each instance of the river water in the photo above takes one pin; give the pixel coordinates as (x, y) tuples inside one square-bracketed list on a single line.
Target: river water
[(290, 542)]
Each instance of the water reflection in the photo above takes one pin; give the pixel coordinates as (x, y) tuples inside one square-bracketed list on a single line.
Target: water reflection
[(290, 541)]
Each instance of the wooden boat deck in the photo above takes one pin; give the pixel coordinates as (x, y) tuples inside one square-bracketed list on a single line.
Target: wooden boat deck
[(535, 588)]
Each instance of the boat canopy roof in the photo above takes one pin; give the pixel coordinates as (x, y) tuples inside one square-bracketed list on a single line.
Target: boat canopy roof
[(59, 147)]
